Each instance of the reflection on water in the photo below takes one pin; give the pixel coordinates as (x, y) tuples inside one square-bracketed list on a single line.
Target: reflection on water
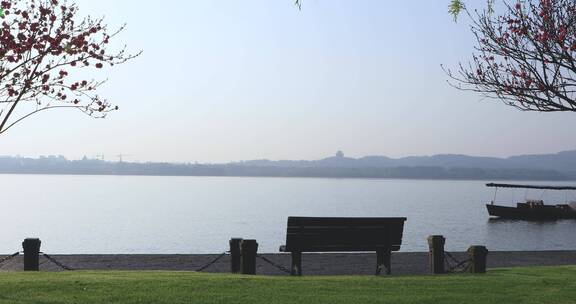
[(111, 214), (497, 220), (508, 234)]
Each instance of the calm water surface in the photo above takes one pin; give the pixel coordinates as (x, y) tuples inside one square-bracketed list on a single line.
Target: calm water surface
[(112, 214)]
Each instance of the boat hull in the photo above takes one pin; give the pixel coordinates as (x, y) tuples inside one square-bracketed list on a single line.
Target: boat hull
[(540, 213)]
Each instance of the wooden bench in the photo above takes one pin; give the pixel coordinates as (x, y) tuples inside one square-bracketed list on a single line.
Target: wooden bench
[(330, 234)]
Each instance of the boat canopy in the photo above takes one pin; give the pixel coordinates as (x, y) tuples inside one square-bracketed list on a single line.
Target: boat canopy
[(531, 186)]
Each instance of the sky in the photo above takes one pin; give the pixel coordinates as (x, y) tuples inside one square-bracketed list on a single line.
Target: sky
[(228, 80)]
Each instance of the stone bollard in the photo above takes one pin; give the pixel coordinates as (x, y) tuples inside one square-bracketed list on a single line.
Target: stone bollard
[(31, 254), (235, 255), (477, 256), (436, 253), (248, 249)]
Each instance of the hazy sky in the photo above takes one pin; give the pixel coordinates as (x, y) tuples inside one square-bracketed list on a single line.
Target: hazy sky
[(224, 80)]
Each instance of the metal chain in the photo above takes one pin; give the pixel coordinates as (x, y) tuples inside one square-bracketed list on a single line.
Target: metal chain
[(279, 267), (459, 266), (212, 262), (8, 258), (56, 262)]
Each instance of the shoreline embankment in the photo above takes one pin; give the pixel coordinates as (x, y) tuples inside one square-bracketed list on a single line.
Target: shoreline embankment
[(403, 263)]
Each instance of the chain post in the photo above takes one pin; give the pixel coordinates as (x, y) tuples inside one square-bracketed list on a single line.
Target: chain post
[(249, 250), (478, 256), (235, 255), (436, 253), (31, 254)]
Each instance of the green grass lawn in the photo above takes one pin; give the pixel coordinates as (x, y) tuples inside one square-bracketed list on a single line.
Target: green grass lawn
[(518, 285)]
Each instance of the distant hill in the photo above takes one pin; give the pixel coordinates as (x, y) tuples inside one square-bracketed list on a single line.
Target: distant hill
[(558, 166), (562, 161)]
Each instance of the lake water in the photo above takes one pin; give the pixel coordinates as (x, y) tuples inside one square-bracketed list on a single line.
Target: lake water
[(127, 214)]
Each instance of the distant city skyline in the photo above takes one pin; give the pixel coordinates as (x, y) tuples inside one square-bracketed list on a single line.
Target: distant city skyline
[(230, 80)]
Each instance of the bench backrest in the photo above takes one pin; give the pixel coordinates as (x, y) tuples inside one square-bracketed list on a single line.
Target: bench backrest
[(322, 234)]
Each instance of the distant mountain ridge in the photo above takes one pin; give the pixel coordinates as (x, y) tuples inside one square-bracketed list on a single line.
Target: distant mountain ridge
[(559, 166), (563, 161)]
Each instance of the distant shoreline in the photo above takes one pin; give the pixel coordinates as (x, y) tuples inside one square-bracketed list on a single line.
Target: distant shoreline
[(289, 177), (553, 167)]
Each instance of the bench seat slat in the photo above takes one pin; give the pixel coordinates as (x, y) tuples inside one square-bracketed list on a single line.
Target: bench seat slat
[(342, 221), (366, 248)]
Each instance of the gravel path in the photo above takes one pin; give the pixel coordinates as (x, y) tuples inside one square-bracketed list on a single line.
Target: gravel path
[(403, 263)]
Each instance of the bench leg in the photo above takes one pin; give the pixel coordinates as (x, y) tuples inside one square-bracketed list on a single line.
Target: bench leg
[(383, 258), (296, 269)]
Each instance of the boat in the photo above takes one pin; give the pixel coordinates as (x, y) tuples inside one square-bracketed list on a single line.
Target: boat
[(532, 209)]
